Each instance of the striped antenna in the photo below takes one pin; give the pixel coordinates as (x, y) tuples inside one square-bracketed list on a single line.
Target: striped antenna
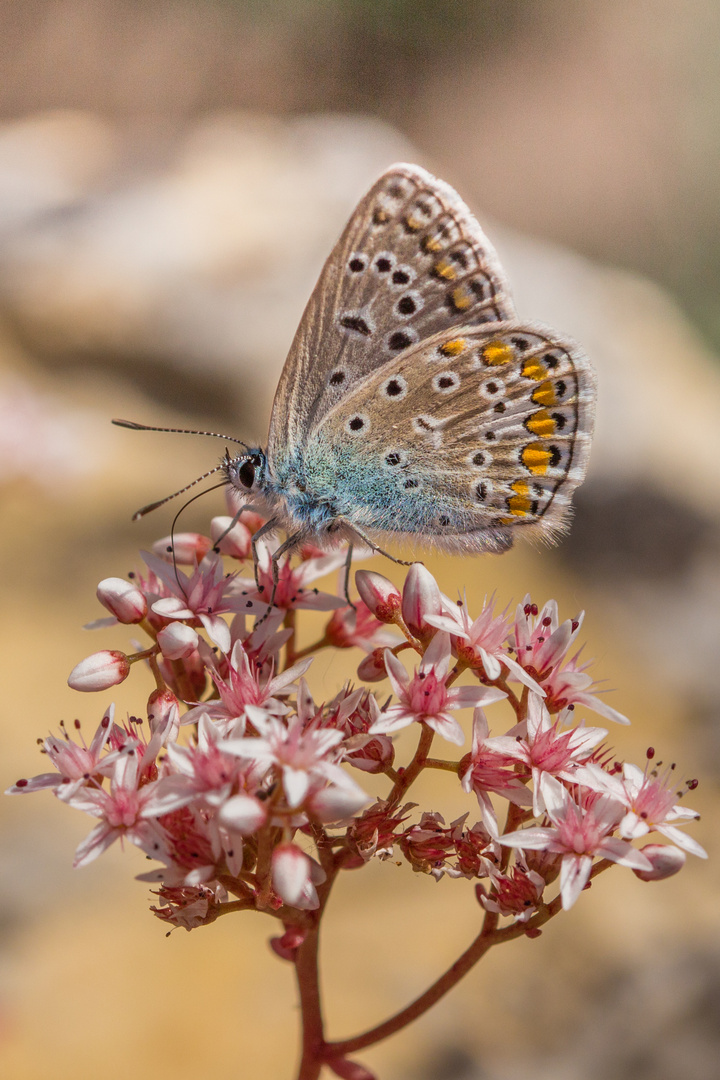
[(134, 426)]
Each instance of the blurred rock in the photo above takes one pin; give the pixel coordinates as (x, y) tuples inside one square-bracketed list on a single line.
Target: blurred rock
[(49, 162), (202, 270)]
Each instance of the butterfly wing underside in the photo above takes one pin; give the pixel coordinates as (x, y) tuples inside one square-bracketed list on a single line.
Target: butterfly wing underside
[(465, 437), (411, 262)]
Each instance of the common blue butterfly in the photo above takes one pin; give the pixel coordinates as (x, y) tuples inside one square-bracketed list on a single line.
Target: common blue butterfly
[(413, 402)]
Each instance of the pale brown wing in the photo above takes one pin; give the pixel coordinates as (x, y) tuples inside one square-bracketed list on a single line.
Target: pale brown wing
[(411, 262), (469, 435)]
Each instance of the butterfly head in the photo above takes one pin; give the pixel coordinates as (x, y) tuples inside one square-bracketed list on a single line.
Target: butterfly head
[(246, 472)]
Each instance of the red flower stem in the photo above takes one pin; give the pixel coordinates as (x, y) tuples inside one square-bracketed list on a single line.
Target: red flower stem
[(314, 1047), (313, 1043), (436, 763), (405, 777)]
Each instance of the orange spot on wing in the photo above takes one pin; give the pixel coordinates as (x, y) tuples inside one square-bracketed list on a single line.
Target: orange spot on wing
[(545, 394), (430, 244), (520, 504), (461, 300), (412, 223), (454, 347), (536, 458), (443, 269), (541, 423), (533, 369), (497, 352)]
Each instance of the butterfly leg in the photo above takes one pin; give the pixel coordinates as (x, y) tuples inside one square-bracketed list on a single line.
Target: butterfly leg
[(375, 547), (348, 563), (268, 527)]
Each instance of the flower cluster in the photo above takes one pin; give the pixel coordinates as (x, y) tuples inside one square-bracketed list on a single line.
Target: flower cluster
[(248, 794)]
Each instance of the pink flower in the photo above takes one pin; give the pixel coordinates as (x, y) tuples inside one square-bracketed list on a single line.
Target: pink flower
[(548, 748), (579, 835), (539, 640), (204, 596), (246, 683), (651, 802), (231, 539), (76, 764), (177, 641), (569, 684), (354, 713), (426, 699), (184, 548), (305, 758), (204, 774), (292, 590), (190, 906), (480, 643), (126, 811), (485, 769)]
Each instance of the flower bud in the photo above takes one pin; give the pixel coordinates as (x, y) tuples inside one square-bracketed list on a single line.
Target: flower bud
[(177, 640), (126, 602), (379, 595), (99, 671), (369, 753), (666, 860), (189, 547), (163, 711), (420, 597), (336, 803), (349, 1070), (243, 814), (290, 873), (235, 542), (286, 947), (372, 668)]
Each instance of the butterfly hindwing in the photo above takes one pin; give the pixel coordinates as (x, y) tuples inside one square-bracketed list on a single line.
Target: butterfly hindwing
[(477, 431), (412, 262)]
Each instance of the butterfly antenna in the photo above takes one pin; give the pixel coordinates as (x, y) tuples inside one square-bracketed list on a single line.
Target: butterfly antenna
[(134, 426), (175, 520), (181, 491)]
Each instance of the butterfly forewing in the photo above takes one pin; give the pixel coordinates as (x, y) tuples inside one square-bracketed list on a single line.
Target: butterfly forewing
[(412, 262), (477, 431)]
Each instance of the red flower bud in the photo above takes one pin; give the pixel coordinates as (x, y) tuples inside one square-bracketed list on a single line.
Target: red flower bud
[(420, 597), (99, 671), (666, 860), (380, 595)]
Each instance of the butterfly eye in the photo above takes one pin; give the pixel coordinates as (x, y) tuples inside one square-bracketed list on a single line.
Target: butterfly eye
[(246, 473)]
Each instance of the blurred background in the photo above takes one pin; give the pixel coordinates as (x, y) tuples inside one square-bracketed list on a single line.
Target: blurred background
[(172, 175)]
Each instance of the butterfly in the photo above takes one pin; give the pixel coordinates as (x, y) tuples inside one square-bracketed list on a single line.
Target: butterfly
[(413, 403)]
